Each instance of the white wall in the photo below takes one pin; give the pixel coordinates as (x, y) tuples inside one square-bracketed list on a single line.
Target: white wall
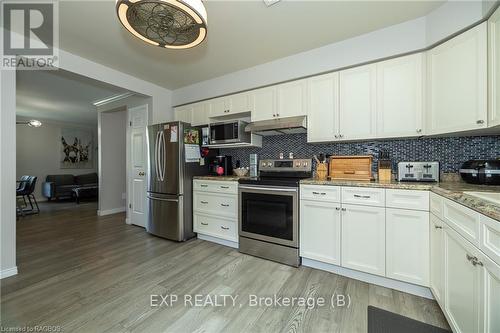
[(395, 40), (113, 161), (39, 151), (7, 173)]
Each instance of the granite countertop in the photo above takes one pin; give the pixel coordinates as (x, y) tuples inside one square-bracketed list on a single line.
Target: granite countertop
[(232, 178), (450, 190)]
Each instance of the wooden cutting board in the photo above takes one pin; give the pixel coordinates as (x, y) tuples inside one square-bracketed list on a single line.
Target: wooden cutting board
[(355, 167)]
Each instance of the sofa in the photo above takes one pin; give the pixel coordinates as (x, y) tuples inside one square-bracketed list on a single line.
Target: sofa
[(66, 186)]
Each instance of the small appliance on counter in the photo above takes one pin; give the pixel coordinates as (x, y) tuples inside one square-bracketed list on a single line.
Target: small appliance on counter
[(418, 171), (221, 165), (485, 172)]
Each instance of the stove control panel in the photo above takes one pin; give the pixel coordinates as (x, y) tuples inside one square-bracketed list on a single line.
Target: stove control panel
[(286, 165)]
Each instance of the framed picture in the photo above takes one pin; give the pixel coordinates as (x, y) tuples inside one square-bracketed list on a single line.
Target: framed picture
[(76, 149)]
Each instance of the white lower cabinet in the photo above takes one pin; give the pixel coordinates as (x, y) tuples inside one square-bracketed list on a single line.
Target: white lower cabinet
[(437, 258), (489, 299), (215, 210), (363, 238), (320, 231), (462, 283), (407, 245)]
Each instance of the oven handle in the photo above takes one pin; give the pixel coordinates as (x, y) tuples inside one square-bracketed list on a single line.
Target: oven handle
[(268, 188)]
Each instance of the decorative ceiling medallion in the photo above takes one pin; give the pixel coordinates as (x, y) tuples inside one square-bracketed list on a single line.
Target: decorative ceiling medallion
[(173, 24)]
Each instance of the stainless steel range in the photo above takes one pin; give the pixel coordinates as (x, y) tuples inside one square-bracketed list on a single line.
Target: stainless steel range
[(269, 210)]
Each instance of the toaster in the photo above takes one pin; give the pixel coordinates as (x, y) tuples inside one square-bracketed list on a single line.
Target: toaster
[(485, 172), (418, 171)]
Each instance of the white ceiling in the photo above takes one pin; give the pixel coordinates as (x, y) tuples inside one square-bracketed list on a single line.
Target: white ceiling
[(60, 96), (241, 34)]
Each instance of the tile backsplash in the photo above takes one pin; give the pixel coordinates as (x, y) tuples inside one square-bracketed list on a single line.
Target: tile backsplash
[(449, 152)]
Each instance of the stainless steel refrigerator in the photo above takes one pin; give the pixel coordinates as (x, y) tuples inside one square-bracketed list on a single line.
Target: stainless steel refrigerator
[(170, 182)]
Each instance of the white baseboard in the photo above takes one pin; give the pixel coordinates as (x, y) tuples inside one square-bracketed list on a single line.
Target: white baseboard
[(218, 241), (370, 278), (111, 211), (127, 221), (8, 272)]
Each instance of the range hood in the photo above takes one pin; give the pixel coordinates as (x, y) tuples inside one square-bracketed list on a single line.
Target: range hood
[(289, 125)]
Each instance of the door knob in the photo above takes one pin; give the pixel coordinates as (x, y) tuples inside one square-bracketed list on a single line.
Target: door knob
[(142, 173)]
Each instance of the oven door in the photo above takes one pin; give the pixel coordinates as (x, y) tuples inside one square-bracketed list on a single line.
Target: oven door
[(269, 214)]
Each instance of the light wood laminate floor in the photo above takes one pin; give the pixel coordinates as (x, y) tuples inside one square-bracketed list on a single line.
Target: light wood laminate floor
[(95, 274)]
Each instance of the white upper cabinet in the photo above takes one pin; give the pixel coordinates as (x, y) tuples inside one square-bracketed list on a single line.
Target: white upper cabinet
[(264, 104), (400, 96), (230, 105), (184, 113), (457, 83), (291, 99), (323, 108), (200, 113), (494, 68), (358, 102)]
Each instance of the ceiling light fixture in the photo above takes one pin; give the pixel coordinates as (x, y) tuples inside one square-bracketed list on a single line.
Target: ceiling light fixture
[(173, 24), (30, 123)]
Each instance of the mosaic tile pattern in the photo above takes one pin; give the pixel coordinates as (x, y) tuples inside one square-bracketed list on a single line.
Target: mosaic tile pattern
[(449, 152)]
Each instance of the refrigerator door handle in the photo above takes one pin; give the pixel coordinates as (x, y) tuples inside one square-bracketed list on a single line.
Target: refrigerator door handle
[(157, 147), (163, 199), (162, 156)]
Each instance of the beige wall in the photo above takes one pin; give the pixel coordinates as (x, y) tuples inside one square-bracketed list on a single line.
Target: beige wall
[(39, 151)]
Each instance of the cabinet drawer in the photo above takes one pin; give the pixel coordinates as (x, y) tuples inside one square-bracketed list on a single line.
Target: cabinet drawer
[(223, 228), (218, 204), (407, 199), (490, 238), (463, 220), (363, 196), (436, 204), (215, 186), (320, 193)]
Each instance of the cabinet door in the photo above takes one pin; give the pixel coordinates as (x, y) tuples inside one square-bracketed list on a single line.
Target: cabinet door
[(457, 80), (184, 113), (494, 68), (200, 114), (320, 231), (291, 99), (358, 102), (264, 104), (218, 107), (323, 108), (363, 238), (437, 259), (490, 296), (461, 284), (238, 103), (399, 97), (407, 245)]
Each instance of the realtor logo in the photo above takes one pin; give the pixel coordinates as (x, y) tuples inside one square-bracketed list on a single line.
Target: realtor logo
[(30, 35)]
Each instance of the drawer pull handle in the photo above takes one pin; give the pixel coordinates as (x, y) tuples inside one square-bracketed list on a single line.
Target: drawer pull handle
[(438, 227), (362, 196), (477, 262), (202, 223), (224, 187), (224, 205), (224, 228), (318, 193), (203, 185), (204, 202), (337, 208), (469, 257), (343, 209)]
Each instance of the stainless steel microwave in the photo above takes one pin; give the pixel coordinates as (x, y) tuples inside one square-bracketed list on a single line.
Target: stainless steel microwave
[(230, 132)]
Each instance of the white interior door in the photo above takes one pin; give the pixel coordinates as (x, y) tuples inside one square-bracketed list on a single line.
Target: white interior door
[(138, 122)]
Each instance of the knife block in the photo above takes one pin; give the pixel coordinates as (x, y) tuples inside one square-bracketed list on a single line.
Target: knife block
[(321, 171), (384, 171)]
